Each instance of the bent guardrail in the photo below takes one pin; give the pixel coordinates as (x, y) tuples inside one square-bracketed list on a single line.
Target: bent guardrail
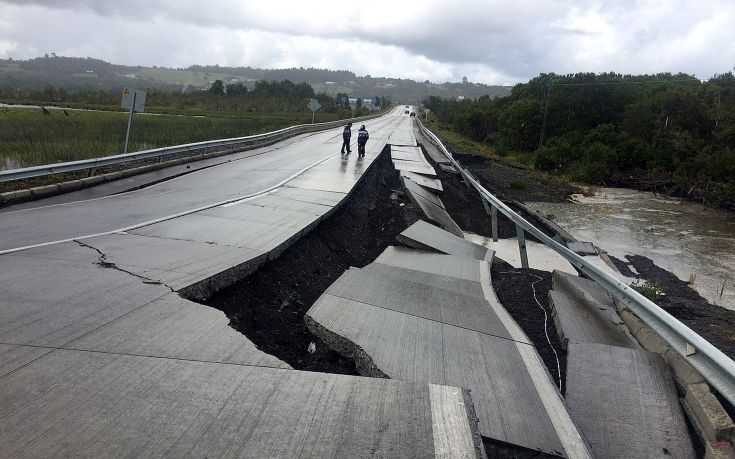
[(717, 368), (159, 153)]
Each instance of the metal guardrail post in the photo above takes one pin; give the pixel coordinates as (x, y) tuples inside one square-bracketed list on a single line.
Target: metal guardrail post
[(492, 211), (494, 222), (522, 246)]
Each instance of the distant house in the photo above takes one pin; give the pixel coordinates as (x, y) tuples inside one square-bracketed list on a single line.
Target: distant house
[(460, 97), (330, 83)]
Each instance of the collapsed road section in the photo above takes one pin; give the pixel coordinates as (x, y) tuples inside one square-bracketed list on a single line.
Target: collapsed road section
[(102, 355)]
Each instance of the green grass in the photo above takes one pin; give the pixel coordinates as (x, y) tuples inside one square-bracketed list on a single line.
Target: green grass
[(30, 138)]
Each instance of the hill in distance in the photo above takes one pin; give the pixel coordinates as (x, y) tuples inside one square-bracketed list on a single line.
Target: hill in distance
[(76, 74)]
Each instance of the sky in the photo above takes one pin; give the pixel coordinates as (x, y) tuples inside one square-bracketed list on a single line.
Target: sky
[(488, 41)]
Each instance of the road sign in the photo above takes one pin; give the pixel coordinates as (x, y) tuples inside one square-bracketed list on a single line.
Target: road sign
[(314, 105), (132, 96), (133, 100)]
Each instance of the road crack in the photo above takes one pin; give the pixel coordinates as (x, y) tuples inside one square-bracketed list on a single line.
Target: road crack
[(103, 263)]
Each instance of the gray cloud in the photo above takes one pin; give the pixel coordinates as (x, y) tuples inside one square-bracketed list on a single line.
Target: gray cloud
[(492, 41)]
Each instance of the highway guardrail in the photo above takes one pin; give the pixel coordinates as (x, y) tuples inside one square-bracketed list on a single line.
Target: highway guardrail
[(187, 149), (717, 368)]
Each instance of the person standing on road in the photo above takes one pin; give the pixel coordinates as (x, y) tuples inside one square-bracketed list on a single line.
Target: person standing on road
[(362, 138), (346, 135)]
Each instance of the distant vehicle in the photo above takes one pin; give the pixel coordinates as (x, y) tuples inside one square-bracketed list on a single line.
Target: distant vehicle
[(406, 112), (413, 113)]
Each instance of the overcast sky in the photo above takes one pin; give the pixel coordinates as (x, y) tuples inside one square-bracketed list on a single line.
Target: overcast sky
[(490, 41)]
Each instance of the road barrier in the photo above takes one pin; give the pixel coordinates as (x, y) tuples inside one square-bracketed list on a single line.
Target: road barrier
[(200, 148), (717, 368)]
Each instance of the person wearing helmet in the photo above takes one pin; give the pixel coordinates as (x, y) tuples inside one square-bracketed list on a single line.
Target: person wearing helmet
[(362, 138), (346, 135)]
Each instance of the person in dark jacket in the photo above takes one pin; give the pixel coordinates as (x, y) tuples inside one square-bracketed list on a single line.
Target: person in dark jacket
[(362, 138), (346, 135)]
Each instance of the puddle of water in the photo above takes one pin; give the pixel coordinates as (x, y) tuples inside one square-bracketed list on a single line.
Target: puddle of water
[(691, 241)]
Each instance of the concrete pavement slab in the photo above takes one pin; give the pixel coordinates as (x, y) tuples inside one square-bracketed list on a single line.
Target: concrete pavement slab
[(430, 262), (414, 166), (625, 402), (432, 207), (407, 154), (417, 190), (223, 231), (264, 215), (433, 152), (427, 235), (402, 136), (173, 327), (176, 263), (583, 317), (416, 299), (274, 201), (427, 182), (75, 298), (411, 348), (452, 284), (96, 404), (13, 357)]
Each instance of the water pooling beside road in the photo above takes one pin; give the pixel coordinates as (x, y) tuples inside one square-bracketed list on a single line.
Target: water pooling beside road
[(684, 238)]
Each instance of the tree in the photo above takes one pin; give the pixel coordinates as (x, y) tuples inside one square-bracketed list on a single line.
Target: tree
[(218, 87)]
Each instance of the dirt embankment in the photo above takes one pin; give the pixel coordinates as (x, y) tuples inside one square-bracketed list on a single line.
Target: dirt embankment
[(269, 306)]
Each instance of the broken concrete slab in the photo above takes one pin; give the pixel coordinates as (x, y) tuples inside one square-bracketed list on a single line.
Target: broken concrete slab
[(417, 299), (576, 322), (414, 166), (433, 152), (426, 182), (425, 235), (583, 313), (448, 168), (451, 283), (66, 307), (176, 263), (117, 405), (430, 262), (172, 327), (432, 207), (416, 190), (625, 402), (514, 404), (407, 154)]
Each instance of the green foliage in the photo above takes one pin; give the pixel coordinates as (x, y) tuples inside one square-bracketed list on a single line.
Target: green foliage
[(608, 128), (651, 290), (29, 138), (518, 185)]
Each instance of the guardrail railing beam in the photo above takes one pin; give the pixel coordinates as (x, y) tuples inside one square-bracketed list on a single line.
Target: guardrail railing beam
[(198, 148), (717, 368)]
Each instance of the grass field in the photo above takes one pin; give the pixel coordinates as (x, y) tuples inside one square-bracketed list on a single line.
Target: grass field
[(28, 137)]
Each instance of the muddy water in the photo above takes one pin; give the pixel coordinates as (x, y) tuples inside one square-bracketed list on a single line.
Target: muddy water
[(689, 240)]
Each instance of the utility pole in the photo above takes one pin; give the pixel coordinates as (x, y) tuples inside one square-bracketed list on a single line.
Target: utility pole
[(546, 113)]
